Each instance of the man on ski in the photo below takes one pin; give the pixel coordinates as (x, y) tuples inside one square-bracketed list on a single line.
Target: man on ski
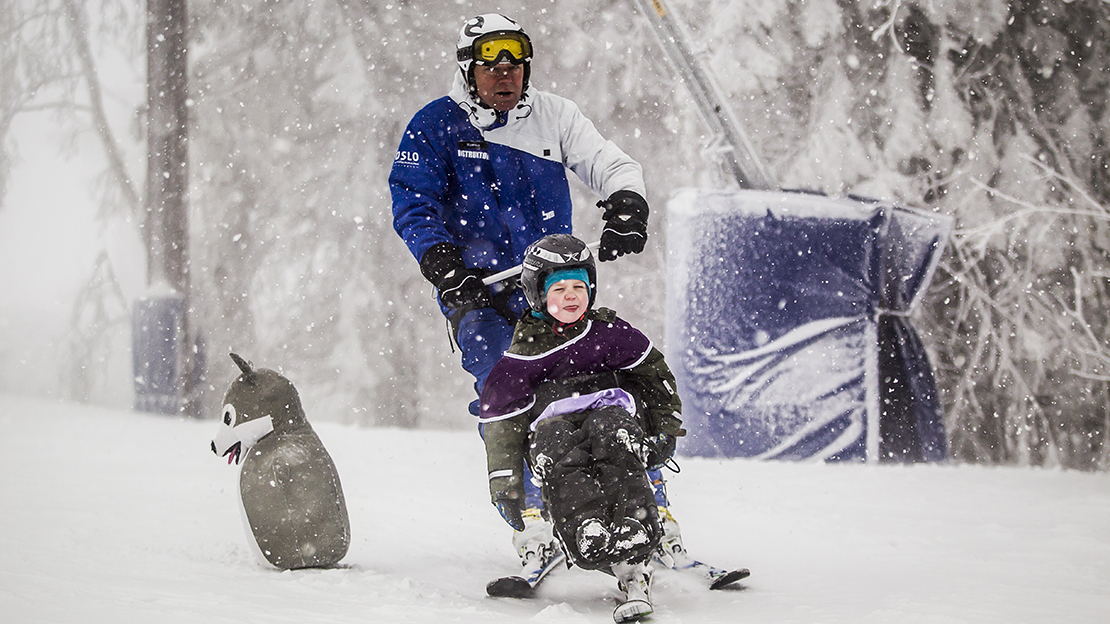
[(479, 175), (591, 404)]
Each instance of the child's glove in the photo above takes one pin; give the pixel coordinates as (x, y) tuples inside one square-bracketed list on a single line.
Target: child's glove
[(507, 494), (660, 450), (625, 231), (509, 508)]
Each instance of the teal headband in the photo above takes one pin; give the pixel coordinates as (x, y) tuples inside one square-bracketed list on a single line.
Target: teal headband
[(579, 274)]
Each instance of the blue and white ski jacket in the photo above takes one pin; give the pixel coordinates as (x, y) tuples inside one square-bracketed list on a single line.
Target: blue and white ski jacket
[(493, 184)]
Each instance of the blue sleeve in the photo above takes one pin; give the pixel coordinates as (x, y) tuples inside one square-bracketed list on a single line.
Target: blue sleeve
[(419, 182)]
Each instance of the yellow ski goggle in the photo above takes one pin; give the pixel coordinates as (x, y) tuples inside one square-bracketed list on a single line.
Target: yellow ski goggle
[(502, 47)]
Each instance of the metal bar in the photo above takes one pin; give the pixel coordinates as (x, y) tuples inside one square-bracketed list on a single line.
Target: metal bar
[(741, 158), (513, 272)]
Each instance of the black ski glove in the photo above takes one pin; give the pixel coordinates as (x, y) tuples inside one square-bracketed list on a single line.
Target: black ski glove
[(458, 286), (509, 508), (625, 231)]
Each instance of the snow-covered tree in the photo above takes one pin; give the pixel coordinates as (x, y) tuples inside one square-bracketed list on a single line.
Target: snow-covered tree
[(47, 63), (995, 112)]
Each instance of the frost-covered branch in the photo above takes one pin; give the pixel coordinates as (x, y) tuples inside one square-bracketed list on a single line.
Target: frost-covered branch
[(79, 23), (1028, 209)]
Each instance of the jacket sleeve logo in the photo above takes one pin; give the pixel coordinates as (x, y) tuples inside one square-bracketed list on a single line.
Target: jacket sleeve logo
[(407, 158)]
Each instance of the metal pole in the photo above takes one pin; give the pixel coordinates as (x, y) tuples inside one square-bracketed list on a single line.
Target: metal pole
[(741, 158), (514, 271)]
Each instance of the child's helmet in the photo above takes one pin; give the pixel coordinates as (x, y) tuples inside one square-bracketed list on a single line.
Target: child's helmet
[(490, 39), (551, 253)]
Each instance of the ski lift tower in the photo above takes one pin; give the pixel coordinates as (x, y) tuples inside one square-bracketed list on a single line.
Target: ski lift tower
[(739, 155)]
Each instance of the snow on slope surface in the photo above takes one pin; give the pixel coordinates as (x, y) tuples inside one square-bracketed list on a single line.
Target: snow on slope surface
[(114, 516)]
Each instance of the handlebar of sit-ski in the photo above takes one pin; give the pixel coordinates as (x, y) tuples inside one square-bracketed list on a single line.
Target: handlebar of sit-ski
[(513, 272)]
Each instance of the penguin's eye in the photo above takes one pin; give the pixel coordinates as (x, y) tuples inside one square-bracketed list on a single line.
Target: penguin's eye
[(229, 415)]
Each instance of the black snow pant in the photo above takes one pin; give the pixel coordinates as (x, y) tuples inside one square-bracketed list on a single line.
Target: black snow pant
[(590, 469)]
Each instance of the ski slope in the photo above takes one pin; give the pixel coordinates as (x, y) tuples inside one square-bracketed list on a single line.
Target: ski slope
[(115, 516)]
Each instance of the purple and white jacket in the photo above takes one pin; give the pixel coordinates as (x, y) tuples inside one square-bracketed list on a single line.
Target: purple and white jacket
[(538, 355)]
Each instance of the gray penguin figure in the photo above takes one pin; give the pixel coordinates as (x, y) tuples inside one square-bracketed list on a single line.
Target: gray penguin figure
[(292, 502)]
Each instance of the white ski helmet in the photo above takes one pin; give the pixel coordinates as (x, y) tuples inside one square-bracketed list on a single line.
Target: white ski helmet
[(491, 39)]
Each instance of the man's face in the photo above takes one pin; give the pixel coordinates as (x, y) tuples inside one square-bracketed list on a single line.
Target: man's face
[(499, 86)]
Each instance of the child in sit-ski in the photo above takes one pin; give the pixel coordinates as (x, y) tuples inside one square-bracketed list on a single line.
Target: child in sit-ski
[(587, 400)]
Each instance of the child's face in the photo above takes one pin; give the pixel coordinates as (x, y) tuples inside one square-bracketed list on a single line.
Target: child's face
[(567, 300)]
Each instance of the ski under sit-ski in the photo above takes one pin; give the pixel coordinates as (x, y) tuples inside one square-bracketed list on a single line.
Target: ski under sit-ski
[(524, 585), (675, 557)]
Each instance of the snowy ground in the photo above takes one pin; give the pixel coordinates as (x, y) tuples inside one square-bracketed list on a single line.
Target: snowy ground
[(114, 516)]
